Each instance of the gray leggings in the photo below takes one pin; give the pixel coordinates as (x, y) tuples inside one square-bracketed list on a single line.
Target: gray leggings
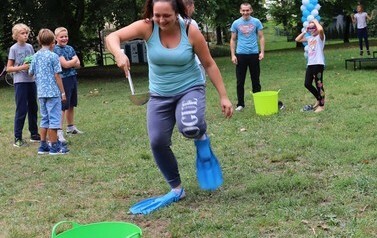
[(187, 110)]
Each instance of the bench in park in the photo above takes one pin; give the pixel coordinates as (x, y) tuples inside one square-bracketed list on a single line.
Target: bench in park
[(358, 61)]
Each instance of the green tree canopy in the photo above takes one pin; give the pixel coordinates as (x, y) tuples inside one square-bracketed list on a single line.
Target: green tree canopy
[(84, 18)]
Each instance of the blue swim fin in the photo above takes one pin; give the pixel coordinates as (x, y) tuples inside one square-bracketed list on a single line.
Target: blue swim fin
[(208, 170), (149, 205)]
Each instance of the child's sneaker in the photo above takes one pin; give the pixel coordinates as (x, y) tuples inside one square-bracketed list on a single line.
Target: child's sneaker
[(43, 148), (57, 149), (18, 142), (61, 136), (73, 130), (35, 138), (63, 146)]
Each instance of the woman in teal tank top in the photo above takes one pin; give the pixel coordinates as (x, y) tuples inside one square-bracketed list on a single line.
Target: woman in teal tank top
[(177, 91)]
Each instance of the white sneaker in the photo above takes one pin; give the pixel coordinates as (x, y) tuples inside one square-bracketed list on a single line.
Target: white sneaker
[(61, 136), (73, 130), (239, 108)]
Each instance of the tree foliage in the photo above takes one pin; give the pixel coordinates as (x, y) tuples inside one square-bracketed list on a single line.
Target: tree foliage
[(220, 14), (287, 13), (85, 18)]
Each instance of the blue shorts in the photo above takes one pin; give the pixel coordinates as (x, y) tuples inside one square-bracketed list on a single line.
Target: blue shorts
[(51, 113), (70, 89)]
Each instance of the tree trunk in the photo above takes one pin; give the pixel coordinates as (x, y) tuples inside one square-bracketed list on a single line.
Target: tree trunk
[(100, 58), (219, 38), (298, 31), (346, 31), (226, 34)]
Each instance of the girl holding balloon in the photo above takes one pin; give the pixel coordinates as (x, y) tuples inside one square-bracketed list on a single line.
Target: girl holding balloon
[(314, 36)]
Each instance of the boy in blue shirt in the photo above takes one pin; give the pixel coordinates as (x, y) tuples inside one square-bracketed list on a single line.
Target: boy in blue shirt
[(69, 62), (46, 67)]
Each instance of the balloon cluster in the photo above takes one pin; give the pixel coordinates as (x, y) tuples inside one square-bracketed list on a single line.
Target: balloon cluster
[(310, 11)]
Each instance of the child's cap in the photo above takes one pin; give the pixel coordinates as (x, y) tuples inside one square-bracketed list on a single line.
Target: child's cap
[(17, 28)]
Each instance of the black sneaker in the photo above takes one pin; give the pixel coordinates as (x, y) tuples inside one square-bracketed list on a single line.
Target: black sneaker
[(368, 52), (307, 108), (281, 106), (361, 53), (18, 142), (35, 138)]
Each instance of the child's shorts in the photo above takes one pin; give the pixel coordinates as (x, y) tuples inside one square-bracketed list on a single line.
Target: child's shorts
[(70, 89), (51, 113)]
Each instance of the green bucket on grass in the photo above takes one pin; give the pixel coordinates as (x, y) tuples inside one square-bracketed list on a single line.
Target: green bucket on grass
[(266, 102), (98, 230)]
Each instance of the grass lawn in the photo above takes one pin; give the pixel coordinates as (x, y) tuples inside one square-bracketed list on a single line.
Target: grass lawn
[(292, 174)]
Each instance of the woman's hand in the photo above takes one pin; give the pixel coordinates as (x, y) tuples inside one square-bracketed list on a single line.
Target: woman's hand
[(226, 107), (123, 62)]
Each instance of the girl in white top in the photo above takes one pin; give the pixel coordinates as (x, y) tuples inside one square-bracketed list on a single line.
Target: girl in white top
[(316, 62), (360, 18)]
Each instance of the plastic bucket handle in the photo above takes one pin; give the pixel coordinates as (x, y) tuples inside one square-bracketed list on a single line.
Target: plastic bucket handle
[(136, 234), (276, 92), (53, 233)]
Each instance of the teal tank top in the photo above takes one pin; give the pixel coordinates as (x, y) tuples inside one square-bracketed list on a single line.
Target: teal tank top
[(172, 71)]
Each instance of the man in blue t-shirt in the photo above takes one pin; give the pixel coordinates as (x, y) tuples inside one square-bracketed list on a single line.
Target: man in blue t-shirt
[(245, 53)]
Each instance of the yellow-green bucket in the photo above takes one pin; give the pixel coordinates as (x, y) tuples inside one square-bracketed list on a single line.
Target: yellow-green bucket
[(98, 230), (266, 102)]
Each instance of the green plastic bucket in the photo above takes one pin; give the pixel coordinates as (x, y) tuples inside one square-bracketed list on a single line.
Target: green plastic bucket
[(98, 230), (266, 102)]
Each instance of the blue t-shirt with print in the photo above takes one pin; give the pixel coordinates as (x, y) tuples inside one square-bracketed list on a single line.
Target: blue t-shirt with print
[(44, 66), (67, 52), (247, 35)]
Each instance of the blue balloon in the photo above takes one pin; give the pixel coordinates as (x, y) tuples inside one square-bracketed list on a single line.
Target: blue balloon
[(305, 43), (314, 2), (305, 13), (303, 19), (318, 18), (310, 18), (310, 7)]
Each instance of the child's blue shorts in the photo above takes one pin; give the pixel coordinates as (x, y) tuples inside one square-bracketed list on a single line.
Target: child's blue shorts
[(51, 113), (70, 89)]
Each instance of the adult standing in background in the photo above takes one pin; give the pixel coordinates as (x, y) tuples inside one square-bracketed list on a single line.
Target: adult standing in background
[(245, 53)]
